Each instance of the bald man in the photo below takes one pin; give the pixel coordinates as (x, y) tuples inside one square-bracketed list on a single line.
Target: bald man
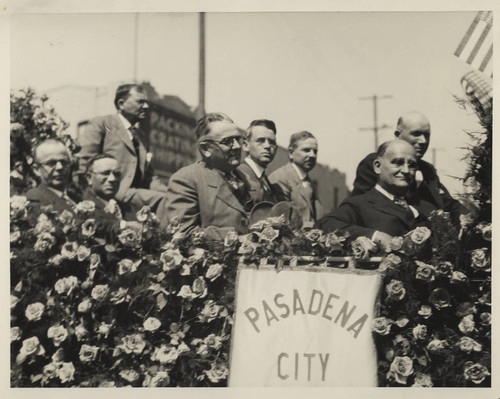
[(415, 129), (385, 210)]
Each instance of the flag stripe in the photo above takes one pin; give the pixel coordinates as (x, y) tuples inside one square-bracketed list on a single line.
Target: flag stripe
[(467, 36), (486, 59), (479, 44), (483, 51)]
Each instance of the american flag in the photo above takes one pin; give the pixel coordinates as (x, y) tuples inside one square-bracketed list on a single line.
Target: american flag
[(476, 47)]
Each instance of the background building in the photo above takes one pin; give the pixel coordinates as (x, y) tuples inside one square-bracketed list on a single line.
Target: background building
[(171, 138)]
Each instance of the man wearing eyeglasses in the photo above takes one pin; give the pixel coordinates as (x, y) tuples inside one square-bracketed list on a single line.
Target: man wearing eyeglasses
[(119, 135), (212, 194), (386, 210), (52, 164)]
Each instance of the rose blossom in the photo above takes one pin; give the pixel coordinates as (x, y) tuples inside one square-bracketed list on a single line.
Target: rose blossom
[(99, 292), (389, 262), (424, 271), (66, 372), (485, 299), (165, 354), (95, 261), (436, 345), (420, 331), (314, 235), (199, 287), (132, 344), (269, 234), (89, 228), (214, 271), (465, 308), (260, 225), (334, 241), (401, 368), (15, 235), (396, 243), (55, 260), (209, 312), (80, 332), (217, 372), (49, 371), (88, 353), (44, 226), (30, 347), (14, 300), (44, 242), (213, 341), (420, 235), (129, 238), (15, 334), (129, 375), (480, 259), (425, 311), (58, 357), (198, 254), (422, 381), (85, 206), (34, 311), (458, 277), (485, 229), (104, 329), (120, 296), (475, 372), (381, 325), (444, 268), (485, 318), (172, 259), (161, 379), (127, 266), (247, 247), (143, 214), (468, 345), (231, 238), (151, 324), (395, 290), (58, 334), (467, 324), (69, 249), (66, 217), (83, 253), (402, 321), (18, 204), (440, 298), (362, 246)]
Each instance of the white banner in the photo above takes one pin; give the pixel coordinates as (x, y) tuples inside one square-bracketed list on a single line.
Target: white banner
[(307, 328)]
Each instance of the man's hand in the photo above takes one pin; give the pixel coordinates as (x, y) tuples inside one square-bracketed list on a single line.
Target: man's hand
[(383, 240)]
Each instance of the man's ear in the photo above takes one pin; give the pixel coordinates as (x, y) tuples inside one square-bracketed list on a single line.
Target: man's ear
[(36, 170), (376, 166), (244, 145), (205, 149)]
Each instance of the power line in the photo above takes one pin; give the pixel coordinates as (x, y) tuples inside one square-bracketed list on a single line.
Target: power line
[(375, 127)]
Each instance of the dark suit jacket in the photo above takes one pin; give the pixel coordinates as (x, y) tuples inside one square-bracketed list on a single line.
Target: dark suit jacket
[(257, 191), (291, 186), (107, 135), (364, 214), (45, 196), (430, 190), (200, 197)]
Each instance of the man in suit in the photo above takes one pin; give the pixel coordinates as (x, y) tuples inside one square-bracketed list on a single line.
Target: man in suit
[(118, 135), (384, 211), (260, 146), (52, 164), (415, 129), (293, 178), (212, 194)]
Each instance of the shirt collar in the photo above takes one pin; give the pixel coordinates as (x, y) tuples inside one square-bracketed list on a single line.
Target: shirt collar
[(259, 170), (300, 172), (125, 121), (384, 191)]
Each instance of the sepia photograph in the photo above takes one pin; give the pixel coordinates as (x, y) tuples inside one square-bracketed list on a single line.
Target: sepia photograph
[(243, 198)]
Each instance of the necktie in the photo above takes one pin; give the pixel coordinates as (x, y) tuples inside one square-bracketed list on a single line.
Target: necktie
[(68, 200), (401, 201), (266, 186), (308, 188), (239, 189), (135, 141)]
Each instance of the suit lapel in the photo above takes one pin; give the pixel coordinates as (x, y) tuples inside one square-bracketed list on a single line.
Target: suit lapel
[(300, 187), (122, 133), (223, 192), (384, 204)]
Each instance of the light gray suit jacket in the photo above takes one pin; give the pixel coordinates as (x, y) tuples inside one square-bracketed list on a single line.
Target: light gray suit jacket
[(201, 198), (291, 186)]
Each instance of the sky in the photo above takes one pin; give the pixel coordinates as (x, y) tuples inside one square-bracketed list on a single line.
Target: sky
[(304, 70)]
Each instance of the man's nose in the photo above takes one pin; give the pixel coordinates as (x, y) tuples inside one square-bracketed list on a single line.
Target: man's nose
[(59, 165), (405, 168), (112, 177), (236, 144), (145, 106)]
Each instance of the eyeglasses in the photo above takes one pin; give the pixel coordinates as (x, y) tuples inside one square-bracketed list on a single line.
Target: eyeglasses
[(228, 141), (107, 173), (53, 163)]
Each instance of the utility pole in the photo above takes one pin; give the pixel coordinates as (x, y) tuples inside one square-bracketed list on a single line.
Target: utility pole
[(434, 159), (136, 43), (375, 127), (200, 111)]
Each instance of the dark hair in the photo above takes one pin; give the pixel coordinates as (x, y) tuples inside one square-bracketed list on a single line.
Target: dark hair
[(38, 144), (382, 148), (260, 122), (96, 158), (123, 91), (203, 125), (296, 137)]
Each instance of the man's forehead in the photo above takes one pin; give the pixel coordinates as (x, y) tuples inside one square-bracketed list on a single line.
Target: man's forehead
[(50, 150), (400, 151), (105, 163), (309, 142), (262, 131), (220, 129)]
